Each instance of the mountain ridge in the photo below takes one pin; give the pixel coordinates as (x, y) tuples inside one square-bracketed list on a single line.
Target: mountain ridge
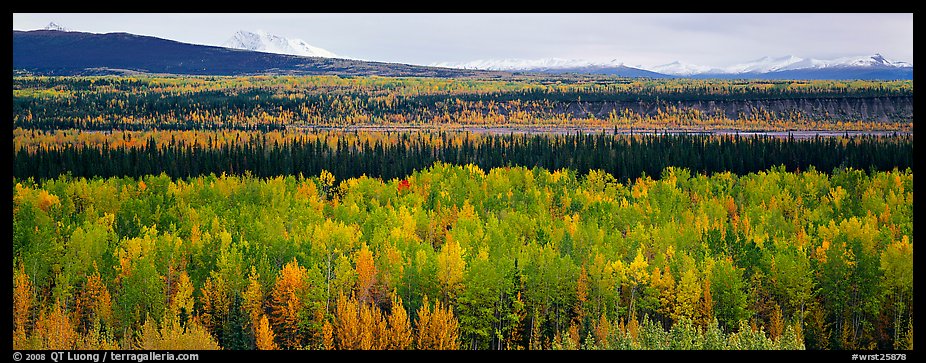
[(53, 52), (60, 51), (556, 66)]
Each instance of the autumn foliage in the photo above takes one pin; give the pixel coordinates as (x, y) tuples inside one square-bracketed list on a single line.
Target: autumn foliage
[(466, 258), (287, 303)]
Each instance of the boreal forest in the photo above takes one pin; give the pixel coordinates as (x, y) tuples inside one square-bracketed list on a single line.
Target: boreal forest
[(525, 213)]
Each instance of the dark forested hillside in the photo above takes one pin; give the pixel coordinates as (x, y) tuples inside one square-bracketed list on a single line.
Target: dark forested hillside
[(48, 52)]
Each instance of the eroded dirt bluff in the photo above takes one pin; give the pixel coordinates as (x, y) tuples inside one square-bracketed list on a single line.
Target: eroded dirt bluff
[(871, 109)]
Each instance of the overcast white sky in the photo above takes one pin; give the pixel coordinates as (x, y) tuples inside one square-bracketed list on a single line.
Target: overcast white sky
[(636, 39)]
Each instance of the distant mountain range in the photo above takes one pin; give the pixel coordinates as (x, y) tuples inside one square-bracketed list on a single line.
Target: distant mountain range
[(54, 26), (788, 67), (555, 66), (57, 52)]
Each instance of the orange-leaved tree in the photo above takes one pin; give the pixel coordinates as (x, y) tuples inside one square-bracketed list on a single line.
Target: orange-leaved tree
[(287, 302), (23, 299), (94, 304), (366, 274), (437, 328), (399, 336), (263, 335)]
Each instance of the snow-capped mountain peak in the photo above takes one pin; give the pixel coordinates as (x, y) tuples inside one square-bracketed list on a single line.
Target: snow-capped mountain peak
[(56, 27), (679, 68), (876, 60), (775, 64), (517, 64), (262, 41), (764, 65)]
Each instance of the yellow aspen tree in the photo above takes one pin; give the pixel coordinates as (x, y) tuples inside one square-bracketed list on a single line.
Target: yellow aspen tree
[(359, 325), (373, 327), (182, 302), (581, 295), (347, 328), (603, 331), (287, 303), (574, 338), (263, 335), (400, 329), (367, 328), (775, 323), (148, 336), (22, 299), (450, 267), (191, 337), (215, 302), (316, 334), (381, 324), (687, 297), (633, 327), (424, 337), (665, 287), (637, 276), (907, 342), (94, 302), (366, 274), (20, 340), (437, 329), (94, 339), (171, 336), (46, 200), (253, 297), (707, 304), (328, 336), (393, 263), (55, 330)]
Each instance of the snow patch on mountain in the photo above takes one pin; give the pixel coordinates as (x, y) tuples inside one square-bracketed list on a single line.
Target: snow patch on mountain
[(788, 63), (515, 64), (678, 68), (876, 60), (777, 64), (54, 26), (763, 65), (262, 41)]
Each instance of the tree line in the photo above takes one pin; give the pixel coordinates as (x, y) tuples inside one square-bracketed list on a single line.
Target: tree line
[(391, 155)]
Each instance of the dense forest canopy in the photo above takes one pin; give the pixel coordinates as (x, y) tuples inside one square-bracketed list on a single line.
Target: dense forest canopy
[(175, 213), (520, 257), (273, 103)]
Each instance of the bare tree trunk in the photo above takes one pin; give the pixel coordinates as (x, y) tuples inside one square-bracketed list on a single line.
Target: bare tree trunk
[(530, 342), (169, 268), (802, 318), (633, 291), (328, 287)]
